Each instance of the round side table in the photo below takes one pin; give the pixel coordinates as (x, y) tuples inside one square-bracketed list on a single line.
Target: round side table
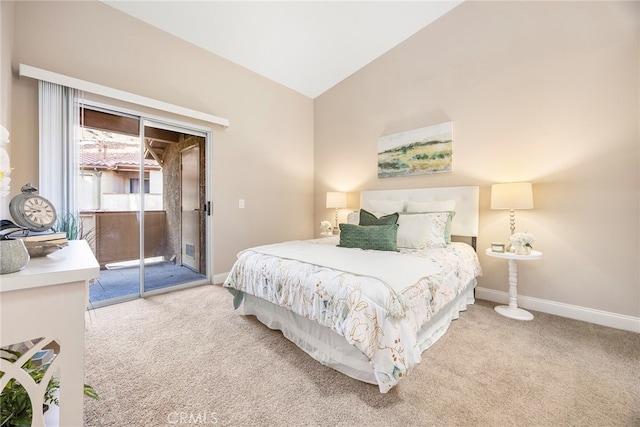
[(512, 311)]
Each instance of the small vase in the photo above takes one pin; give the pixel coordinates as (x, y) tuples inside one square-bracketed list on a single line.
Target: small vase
[(13, 255), (522, 250)]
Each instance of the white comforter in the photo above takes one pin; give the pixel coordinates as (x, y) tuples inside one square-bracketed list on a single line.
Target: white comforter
[(379, 315)]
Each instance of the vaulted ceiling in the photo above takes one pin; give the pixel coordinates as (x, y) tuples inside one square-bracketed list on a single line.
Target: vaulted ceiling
[(308, 46)]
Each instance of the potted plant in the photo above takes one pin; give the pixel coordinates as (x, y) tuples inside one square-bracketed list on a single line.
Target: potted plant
[(15, 404)]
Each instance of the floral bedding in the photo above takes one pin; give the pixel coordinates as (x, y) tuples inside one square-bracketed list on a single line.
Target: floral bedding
[(356, 306)]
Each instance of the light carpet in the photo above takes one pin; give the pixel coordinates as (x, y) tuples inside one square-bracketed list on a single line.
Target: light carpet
[(186, 358)]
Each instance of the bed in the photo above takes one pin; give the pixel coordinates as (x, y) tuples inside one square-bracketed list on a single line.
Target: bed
[(370, 301)]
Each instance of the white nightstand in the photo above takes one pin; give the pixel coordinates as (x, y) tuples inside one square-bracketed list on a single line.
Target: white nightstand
[(512, 311)]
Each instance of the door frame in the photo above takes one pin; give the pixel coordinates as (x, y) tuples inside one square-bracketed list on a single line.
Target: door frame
[(196, 129), (163, 123)]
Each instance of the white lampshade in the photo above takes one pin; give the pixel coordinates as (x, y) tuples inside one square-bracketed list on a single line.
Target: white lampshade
[(513, 195), (336, 199)]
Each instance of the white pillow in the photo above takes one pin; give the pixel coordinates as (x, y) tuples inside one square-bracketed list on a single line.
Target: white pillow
[(353, 218), (432, 206), (417, 231), (383, 206)]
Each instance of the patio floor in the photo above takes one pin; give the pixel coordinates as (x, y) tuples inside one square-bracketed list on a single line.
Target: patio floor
[(119, 282)]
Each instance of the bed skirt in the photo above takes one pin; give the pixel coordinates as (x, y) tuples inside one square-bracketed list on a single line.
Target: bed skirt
[(330, 348)]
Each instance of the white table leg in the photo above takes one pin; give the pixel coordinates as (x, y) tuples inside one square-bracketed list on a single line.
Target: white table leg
[(512, 311)]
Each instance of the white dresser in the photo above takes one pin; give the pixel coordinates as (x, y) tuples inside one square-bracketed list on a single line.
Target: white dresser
[(48, 299)]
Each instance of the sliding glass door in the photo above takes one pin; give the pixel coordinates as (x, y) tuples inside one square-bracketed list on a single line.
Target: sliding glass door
[(174, 218), (141, 214)]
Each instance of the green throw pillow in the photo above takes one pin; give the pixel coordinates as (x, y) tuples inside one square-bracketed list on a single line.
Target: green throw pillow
[(367, 218), (378, 237)]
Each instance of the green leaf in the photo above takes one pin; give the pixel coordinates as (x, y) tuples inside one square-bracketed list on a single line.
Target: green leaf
[(90, 392)]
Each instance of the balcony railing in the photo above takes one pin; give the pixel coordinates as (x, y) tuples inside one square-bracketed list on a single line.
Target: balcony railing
[(114, 235)]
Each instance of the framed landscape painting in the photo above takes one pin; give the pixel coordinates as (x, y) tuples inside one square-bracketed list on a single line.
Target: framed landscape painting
[(415, 152)]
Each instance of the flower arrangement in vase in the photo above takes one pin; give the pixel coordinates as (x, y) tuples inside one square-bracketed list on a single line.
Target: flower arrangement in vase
[(522, 243), (326, 227)]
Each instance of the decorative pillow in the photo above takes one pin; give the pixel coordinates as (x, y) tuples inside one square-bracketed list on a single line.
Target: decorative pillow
[(419, 230), (432, 206), (378, 237), (447, 229), (367, 218), (353, 218), (383, 206)]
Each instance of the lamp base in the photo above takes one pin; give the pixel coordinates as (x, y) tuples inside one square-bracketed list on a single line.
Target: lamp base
[(512, 220), (335, 230), (513, 313)]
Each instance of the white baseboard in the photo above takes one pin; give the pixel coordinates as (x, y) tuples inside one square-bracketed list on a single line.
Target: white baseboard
[(218, 279), (599, 317)]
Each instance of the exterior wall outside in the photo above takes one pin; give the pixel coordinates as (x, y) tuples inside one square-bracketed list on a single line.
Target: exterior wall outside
[(265, 157), (545, 92), (92, 196), (155, 181), (112, 183)]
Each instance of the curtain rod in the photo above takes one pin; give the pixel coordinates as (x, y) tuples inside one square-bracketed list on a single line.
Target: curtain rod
[(50, 76)]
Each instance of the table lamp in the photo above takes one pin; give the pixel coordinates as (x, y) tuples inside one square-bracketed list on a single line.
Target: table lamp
[(337, 200), (512, 196)]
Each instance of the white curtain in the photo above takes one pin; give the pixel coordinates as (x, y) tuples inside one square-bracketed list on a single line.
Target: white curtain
[(59, 120)]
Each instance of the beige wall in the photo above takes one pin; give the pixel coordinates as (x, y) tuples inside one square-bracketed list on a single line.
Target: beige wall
[(6, 40), (265, 157), (546, 92)]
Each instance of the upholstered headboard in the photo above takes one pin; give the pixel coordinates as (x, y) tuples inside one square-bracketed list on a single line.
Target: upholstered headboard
[(467, 205)]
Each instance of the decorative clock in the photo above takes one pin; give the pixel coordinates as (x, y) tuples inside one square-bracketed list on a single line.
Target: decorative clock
[(32, 211)]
